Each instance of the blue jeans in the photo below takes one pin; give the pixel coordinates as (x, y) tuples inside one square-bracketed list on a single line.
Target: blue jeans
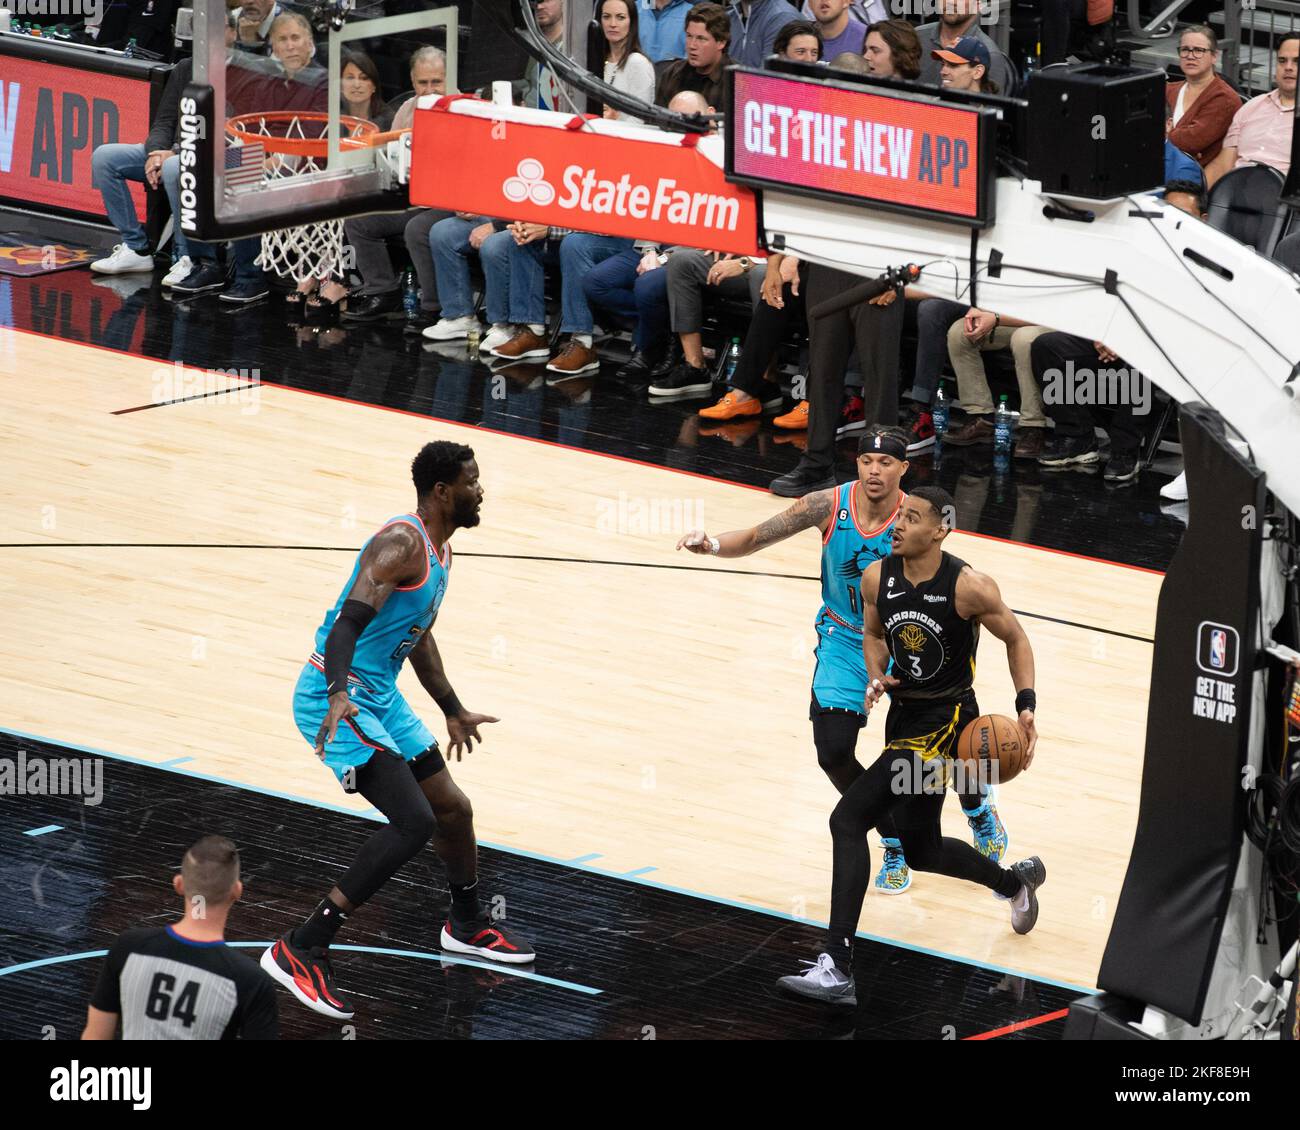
[(579, 253), (449, 245), (171, 182), (111, 167), (615, 286), (494, 255)]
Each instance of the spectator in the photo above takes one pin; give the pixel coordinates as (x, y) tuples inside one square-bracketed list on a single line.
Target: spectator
[(292, 82), (849, 63), (662, 24), (154, 162), (964, 65), (1061, 17), (359, 83), (1261, 130), (800, 41), (1201, 107), (754, 27), (626, 67), (840, 31), (1179, 165), (865, 12), (379, 296), (148, 22), (959, 19), (1053, 357), (631, 284), (690, 275), (541, 87), (893, 50), (983, 332), (255, 20), (182, 982), (452, 241), (708, 33)]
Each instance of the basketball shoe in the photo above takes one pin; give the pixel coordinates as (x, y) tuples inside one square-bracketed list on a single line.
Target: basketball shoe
[(308, 975), (895, 876), (987, 831), (1024, 906), (822, 981), (486, 939)]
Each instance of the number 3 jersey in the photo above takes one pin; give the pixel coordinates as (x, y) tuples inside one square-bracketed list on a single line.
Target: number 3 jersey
[(397, 627), (848, 547), (933, 649)]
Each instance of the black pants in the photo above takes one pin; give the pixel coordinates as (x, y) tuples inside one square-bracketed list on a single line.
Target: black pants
[(878, 333), (767, 330), (1057, 16), (906, 783), (1053, 354)]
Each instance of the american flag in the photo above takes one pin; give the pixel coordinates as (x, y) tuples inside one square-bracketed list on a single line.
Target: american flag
[(244, 164)]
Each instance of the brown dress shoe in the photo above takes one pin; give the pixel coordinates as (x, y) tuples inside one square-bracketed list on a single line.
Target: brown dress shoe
[(978, 429), (573, 359), (524, 344), (1030, 443)]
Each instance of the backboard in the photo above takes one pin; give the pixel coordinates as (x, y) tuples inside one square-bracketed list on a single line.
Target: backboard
[(280, 73)]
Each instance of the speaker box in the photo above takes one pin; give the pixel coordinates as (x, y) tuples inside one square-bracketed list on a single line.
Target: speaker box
[(1097, 131)]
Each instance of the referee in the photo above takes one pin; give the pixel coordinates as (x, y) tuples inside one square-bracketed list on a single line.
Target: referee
[(181, 982)]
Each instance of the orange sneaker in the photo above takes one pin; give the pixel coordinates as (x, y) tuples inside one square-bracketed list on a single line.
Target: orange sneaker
[(731, 406), (795, 419)]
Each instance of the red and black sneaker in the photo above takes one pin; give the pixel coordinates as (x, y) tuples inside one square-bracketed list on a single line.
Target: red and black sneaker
[(920, 431), (308, 975), (487, 939)]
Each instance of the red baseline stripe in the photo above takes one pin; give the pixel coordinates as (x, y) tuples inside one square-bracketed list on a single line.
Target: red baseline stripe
[(1021, 1024)]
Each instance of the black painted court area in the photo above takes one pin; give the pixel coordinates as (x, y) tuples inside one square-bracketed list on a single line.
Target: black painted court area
[(666, 965)]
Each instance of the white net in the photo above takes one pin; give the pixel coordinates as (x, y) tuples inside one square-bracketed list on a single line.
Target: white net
[(313, 251)]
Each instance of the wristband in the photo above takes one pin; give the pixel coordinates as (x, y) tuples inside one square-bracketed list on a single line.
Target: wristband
[(714, 546), (449, 704), (1026, 700)]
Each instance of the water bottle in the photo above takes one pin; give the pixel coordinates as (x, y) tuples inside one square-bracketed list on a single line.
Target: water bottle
[(128, 52), (410, 295), (473, 337), (1002, 427), (733, 359), (939, 412)]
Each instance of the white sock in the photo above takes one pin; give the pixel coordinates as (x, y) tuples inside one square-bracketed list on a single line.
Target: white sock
[(537, 329), (502, 327), (582, 339)]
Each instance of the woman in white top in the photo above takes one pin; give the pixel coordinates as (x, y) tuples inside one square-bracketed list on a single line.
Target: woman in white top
[(626, 68)]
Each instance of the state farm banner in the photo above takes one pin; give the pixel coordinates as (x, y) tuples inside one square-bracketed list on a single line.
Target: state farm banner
[(569, 172), (895, 151), (52, 117)]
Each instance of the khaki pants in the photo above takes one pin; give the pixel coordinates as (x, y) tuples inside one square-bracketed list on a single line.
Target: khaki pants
[(973, 385)]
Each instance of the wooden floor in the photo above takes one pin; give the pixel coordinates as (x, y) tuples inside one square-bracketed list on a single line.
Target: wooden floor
[(653, 705)]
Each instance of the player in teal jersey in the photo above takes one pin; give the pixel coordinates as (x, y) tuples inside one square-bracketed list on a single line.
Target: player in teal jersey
[(348, 707), (856, 521)]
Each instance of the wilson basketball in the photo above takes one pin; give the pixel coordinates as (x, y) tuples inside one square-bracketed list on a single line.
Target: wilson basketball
[(994, 736)]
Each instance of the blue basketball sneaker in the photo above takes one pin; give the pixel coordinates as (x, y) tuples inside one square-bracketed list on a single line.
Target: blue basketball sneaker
[(989, 835), (895, 876)]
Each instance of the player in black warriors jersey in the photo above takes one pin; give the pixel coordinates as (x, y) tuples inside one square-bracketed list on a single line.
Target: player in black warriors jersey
[(924, 609)]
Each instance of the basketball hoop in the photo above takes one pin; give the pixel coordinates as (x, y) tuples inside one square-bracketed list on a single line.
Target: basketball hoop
[(296, 143)]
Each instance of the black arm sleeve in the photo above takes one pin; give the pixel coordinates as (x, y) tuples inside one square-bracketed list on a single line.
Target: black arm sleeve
[(166, 122), (341, 644), (107, 995)]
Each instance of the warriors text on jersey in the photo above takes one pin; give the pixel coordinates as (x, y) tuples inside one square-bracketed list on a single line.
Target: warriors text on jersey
[(933, 649), (396, 628)]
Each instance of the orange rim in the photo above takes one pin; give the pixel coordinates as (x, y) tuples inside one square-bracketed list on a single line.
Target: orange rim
[(355, 133)]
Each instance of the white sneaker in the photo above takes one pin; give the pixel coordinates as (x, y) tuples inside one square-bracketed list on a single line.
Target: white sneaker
[(496, 337), (180, 270), (450, 329), (123, 261), (823, 982), (1176, 489)]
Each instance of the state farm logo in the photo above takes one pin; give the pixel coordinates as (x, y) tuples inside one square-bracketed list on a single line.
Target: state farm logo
[(528, 184), (657, 200)]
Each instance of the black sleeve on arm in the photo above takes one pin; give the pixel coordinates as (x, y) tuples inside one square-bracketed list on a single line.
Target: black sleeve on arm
[(341, 643), (107, 996), (164, 127)]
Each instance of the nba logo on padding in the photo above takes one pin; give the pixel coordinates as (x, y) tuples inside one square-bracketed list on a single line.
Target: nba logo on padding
[(1216, 648)]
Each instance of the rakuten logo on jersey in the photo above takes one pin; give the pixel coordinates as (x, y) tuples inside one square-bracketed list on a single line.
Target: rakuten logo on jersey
[(584, 191)]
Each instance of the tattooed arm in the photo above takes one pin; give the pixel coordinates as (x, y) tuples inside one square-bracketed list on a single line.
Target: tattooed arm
[(813, 510)]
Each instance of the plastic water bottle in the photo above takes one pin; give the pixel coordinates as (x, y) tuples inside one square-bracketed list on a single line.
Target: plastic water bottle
[(733, 359), (1002, 427), (939, 412), (473, 337), (410, 295)]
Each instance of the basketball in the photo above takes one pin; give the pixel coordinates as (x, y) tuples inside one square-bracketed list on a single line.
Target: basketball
[(994, 735)]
